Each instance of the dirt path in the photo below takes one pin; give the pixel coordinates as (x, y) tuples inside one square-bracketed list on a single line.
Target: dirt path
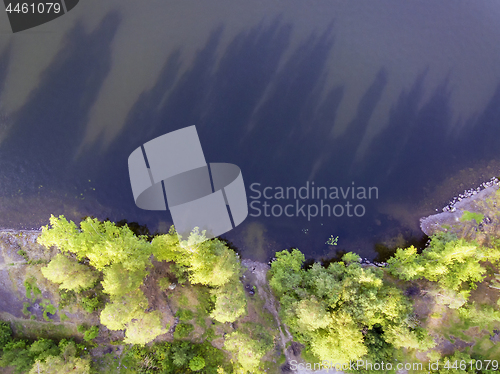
[(260, 270)]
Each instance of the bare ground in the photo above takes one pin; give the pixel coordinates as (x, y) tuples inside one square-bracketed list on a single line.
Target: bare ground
[(257, 274)]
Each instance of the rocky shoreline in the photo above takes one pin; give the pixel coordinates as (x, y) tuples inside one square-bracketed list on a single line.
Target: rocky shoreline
[(480, 203)]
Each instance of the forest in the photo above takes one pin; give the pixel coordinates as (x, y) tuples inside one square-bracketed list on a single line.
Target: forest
[(121, 300)]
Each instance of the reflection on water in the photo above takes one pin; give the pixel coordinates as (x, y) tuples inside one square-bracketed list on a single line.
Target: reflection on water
[(262, 101), (254, 240)]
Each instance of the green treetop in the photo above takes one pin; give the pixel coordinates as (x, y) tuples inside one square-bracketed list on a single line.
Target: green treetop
[(103, 243), (335, 309), (452, 263), (69, 274)]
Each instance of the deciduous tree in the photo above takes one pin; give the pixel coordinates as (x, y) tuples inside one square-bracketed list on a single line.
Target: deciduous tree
[(69, 274), (121, 310), (246, 351), (144, 328), (331, 309), (58, 365), (230, 303), (119, 281)]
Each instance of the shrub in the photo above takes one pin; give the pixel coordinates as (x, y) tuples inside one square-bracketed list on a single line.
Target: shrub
[(471, 216), (91, 333), (164, 282), (23, 254), (182, 330), (197, 363), (184, 314), (66, 297), (90, 304), (5, 333), (48, 308)]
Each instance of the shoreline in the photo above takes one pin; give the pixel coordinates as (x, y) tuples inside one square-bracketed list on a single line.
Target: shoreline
[(475, 201), (478, 201)]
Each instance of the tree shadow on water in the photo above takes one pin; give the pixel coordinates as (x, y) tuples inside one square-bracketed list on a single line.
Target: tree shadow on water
[(49, 127)]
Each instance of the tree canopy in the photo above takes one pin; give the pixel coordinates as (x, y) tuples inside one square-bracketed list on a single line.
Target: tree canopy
[(122, 260), (102, 243), (336, 310), (123, 309), (43, 356), (247, 352), (140, 330), (69, 274), (454, 264)]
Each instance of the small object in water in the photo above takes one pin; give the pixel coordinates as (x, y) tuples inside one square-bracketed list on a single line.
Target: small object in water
[(332, 240)]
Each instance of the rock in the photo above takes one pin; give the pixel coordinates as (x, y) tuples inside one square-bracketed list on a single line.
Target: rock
[(451, 217)]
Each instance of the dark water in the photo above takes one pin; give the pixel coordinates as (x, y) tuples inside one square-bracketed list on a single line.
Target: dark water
[(262, 102)]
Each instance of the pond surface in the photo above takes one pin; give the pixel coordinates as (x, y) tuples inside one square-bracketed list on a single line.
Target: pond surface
[(400, 100)]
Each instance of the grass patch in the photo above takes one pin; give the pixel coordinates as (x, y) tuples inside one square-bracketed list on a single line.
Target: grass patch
[(265, 317), (470, 216), (308, 356), (205, 301), (90, 304), (209, 335), (200, 321), (32, 290), (34, 330), (28, 287), (91, 333), (66, 298), (23, 254), (164, 282), (259, 333), (47, 308), (111, 363), (36, 292), (281, 359), (183, 300), (25, 308), (184, 314), (182, 330)]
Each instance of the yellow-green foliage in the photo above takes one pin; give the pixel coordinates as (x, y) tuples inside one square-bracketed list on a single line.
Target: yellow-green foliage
[(167, 247), (230, 302), (118, 281), (481, 316), (121, 310), (69, 274), (288, 275), (211, 263), (124, 259), (341, 341), (142, 330), (247, 352), (332, 309), (461, 363), (471, 216), (452, 263), (58, 364), (103, 243)]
